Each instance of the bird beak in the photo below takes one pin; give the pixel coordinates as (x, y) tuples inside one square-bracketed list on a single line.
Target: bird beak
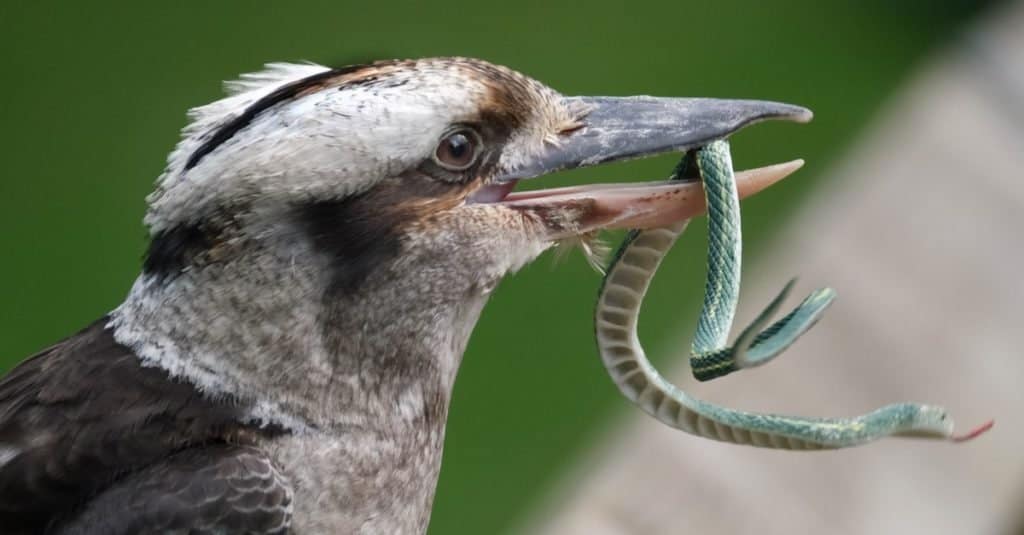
[(622, 128)]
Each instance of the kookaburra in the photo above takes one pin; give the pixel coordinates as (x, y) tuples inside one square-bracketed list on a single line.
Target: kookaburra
[(322, 243)]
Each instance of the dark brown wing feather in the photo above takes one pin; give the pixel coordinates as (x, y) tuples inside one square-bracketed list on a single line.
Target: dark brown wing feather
[(84, 413), (206, 490)]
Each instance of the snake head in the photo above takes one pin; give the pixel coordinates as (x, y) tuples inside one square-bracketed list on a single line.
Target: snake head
[(930, 421)]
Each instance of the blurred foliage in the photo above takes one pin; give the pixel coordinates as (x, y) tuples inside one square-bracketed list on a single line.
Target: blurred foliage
[(94, 94)]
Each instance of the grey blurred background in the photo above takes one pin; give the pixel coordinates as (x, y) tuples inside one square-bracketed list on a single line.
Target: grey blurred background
[(908, 206)]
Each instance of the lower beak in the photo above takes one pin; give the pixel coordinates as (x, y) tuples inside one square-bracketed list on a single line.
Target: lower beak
[(585, 209)]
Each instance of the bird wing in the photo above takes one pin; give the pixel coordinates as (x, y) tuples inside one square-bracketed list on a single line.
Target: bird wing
[(80, 415), (205, 490)]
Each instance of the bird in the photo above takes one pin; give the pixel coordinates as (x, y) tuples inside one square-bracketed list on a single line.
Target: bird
[(322, 242)]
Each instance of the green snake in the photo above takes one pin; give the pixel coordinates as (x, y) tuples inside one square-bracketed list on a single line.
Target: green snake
[(626, 282)]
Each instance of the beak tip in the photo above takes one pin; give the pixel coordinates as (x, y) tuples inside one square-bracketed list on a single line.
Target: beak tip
[(791, 112), (783, 170), (751, 181)]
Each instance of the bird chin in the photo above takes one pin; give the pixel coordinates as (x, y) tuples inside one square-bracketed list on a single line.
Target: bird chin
[(583, 210)]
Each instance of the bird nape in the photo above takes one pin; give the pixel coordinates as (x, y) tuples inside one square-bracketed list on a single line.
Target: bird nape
[(322, 243)]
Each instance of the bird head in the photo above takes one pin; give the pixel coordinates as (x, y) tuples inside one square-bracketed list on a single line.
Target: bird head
[(319, 219)]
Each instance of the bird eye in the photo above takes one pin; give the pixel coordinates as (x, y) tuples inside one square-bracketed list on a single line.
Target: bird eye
[(457, 150)]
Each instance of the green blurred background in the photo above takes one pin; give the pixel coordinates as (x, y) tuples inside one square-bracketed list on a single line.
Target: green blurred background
[(94, 94)]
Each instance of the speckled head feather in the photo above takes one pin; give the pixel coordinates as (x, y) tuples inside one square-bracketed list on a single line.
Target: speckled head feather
[(304, 132)]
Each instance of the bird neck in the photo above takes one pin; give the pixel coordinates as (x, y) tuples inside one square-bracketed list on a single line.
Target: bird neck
[(269, 329)]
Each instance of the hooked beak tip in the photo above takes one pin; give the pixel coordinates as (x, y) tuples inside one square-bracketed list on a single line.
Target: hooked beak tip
[(805, 116)]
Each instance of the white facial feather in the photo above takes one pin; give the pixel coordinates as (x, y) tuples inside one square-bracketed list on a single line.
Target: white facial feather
[(272, 76), (241, 94), (328, 143)]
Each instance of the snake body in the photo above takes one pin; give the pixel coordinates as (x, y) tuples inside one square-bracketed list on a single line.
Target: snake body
[(625, 284), (710, 356)]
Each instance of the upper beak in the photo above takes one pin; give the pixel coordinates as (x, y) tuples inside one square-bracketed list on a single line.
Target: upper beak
[(621, 128)]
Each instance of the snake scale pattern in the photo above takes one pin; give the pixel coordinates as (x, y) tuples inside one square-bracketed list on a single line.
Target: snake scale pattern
[(622, 292)]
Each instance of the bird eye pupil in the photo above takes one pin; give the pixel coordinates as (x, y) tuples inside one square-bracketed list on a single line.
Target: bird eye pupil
[(458, 145), (457, 151)]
